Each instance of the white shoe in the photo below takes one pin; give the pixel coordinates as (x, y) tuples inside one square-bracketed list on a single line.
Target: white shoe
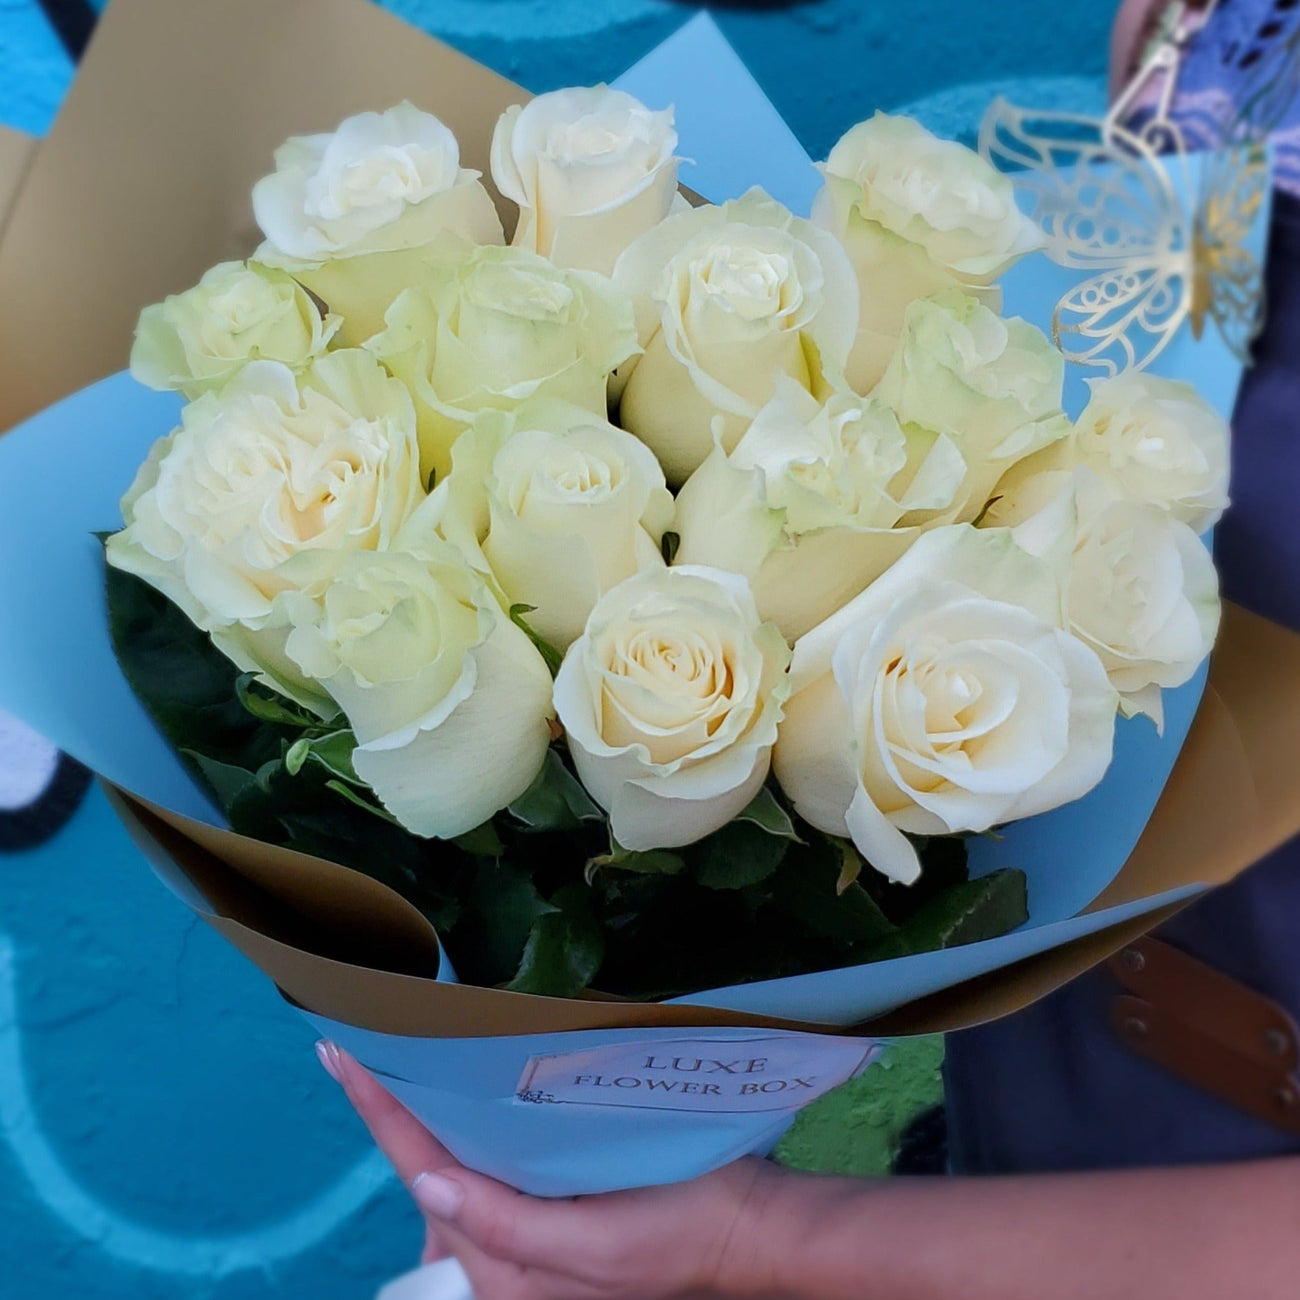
[(27, 764), (444, 1280)]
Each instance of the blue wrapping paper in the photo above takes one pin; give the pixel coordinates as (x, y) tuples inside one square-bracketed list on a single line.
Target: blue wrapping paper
[(61, 476)]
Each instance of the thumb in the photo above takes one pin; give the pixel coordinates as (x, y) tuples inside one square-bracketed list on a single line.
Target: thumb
[(499, 1221)]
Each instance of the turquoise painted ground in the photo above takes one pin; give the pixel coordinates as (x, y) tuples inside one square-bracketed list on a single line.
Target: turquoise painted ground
[(164, 1129)]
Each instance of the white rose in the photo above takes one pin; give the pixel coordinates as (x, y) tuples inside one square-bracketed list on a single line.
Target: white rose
[(992, 386), (916, 214), (449, 700), (1159, 442), (489, 328), (727, 299), (261, 492), (195, 341), (946, 698), (807, 506), (671, 700), (348, 212), (1143, 591), (591, 169), (558, 505)]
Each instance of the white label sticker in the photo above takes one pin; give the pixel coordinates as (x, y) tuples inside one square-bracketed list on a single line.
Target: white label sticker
[(720, 1076)]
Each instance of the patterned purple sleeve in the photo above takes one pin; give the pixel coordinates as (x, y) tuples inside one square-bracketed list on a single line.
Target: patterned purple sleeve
[(1240, 36)]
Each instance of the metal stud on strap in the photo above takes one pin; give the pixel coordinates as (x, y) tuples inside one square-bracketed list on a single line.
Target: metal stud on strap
[(1211, 1031)]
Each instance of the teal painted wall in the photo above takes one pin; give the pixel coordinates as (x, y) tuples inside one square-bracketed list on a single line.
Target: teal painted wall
[(162, 1118)]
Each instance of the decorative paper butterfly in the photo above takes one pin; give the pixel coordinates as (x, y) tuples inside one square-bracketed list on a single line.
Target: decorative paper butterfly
[(1160, 232)]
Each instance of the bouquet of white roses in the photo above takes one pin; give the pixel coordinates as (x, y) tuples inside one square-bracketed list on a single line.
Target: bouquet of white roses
[(421, 599), (576, 642)]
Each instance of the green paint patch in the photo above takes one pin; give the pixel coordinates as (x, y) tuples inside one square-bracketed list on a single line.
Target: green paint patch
[(857, 1128)]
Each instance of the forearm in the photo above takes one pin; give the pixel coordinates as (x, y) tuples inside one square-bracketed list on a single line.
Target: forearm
[(1204, 1233)]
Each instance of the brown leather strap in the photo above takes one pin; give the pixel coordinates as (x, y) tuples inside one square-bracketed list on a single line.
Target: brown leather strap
[(1209, 1030)]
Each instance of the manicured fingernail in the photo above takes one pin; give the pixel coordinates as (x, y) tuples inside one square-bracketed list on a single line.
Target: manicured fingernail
[(328, 1055), (438, 1196)]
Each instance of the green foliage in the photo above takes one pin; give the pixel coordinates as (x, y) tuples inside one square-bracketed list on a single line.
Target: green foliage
[(739, 855), (548, 652), (556, 801), (565, 947), (968, 912), (541, 899)]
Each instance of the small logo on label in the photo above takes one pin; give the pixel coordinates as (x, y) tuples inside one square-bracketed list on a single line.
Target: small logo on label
[(721, 1076)]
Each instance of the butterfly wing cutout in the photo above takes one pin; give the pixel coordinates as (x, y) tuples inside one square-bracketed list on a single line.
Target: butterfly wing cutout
[(1106, 204), (1122, 319)]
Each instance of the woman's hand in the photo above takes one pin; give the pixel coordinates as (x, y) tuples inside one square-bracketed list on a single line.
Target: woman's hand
[(695, 1239)]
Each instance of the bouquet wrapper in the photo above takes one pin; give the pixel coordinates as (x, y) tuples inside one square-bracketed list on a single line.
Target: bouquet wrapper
[(142, 184), (16, 151)]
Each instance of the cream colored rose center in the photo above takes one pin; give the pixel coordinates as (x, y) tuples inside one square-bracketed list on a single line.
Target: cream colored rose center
[(942, 185), (668, 690), (288, 492), (564, 473), (519, 293), (949, 716), (943, 710), (242, 307), (748, 282), (685, 663), (1145, 443), (377, 179), (597, 139), (387, 627), (1130, 582)]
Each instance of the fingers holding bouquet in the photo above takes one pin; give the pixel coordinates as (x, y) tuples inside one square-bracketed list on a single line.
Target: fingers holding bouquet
[(609, 1247)]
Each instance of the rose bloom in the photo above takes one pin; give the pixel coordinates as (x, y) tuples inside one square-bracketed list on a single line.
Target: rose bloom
[(992, 386), (262, 491), (1143, 591), (916, 214), (557, 506), (449, 700), (489, 328), (945, 699), (591, 169), (728, 298), (1159, 443), (809, 505), (348, 213), (197, 340), (670, 700)]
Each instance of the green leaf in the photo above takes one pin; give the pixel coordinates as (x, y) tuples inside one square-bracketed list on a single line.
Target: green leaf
[(185, 683), (267, 773), (348, 793), (509, 905), (483, 841), (296, 755), (271, 708), (564, 950), (850, 863), (983, 908), (652, 862), (807, 890), (556, 801), (227, 782), (548, 652), (334, 753), (764, 810), (741, 854)]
